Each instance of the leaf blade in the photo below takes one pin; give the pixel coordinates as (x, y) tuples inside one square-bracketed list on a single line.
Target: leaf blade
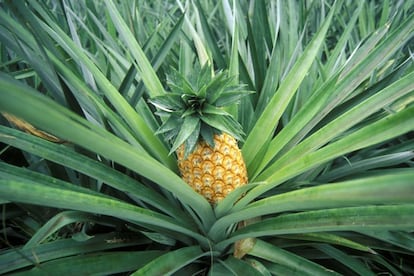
[(268, 120), (171, 261)]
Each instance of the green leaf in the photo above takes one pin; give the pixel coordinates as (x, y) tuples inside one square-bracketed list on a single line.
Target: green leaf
[(11, 172), (268, 120), (170, 262), (95, 264), (364, 191), (277, 255), (57, 222), (238, 267), (143, 65), (213, 110), (179, 84), (134, 120), (169, 125), (371, 218), (232, 96), (94, 104), (353, 263), (343, 40), (224, 124), (277, 269), (38, 194), (383, 161), (161, 55), (191, 142), (216, 86), (360, 67), (32, 47), (225, 205), (159, 238), (219, 269), (329, 238), (211, 41), (207, 133), (168, 102), (377, 132), (169, 42), (190, 125), (71, 127), (70, 158), (17, 258), (403, 239)]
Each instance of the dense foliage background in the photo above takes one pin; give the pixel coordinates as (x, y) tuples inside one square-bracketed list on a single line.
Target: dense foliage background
[(89, 187)]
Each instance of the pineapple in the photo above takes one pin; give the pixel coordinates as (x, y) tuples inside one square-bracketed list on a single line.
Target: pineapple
[(213, 171), (204, 136)]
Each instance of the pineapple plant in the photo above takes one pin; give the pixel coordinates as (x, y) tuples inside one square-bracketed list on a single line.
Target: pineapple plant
[(118, 100), (203, 133)]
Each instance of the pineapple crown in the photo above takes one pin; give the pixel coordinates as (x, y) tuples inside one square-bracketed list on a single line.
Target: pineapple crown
[(194, 108)]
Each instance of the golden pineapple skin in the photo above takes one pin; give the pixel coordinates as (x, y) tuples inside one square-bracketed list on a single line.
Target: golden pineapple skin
[(213, 172)]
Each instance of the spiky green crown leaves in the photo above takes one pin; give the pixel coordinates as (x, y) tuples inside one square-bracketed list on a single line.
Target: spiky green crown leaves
[(194, 108)]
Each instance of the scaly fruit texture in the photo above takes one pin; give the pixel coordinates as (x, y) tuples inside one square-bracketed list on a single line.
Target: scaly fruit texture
[(202, 133), (213, 172)]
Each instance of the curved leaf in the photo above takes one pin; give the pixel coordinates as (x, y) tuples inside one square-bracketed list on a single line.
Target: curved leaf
[(107, 263), (170, 262), (377, 132), (351, 118), (18, 258), (33, 193), (134, 120), (143, 65), (190, 126), (57, 222), (268, 120), (71, 127), (277, 255), (329, 238), (353, 263), (237, 267), (72, 159), (365, 191), (365, 218)]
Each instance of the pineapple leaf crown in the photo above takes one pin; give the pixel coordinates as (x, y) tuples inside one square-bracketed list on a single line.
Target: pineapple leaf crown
[(194, 108)]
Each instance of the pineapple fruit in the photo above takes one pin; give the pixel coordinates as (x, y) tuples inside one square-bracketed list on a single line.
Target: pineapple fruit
[(204, 136), (213, 171)]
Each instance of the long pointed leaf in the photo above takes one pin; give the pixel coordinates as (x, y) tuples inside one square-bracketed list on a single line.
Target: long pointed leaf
[(95, 264), (33, 193), (133, 119), (352, 117), (170, 262), (70, 158), (75, 129), (274, 254), (374, 190), (267, 122), (57, 222), (372, 218), (17, 258), (144, 66), (353, 263), (210, 40), (377, 132)]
